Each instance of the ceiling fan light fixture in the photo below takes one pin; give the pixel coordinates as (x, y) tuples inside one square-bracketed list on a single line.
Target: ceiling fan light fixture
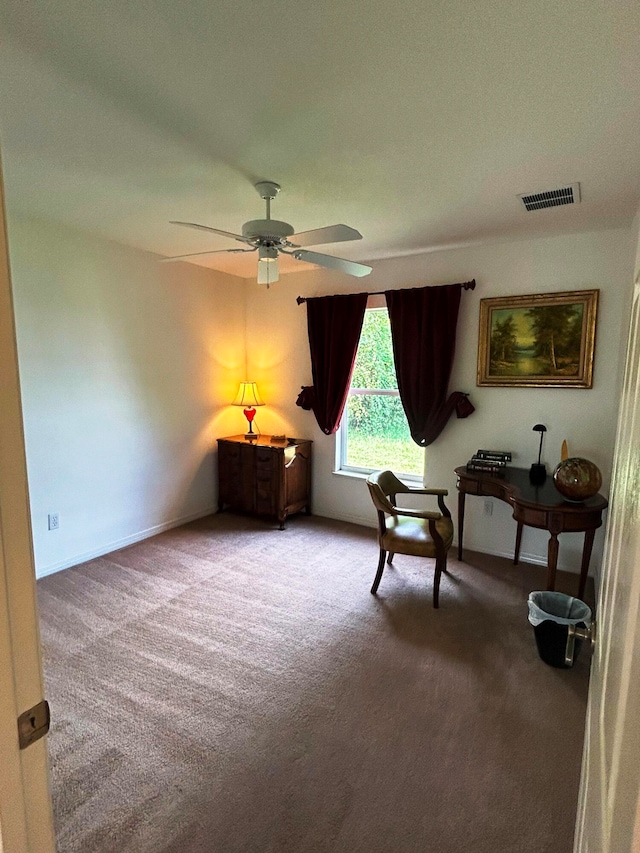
[(268, 271), (268, 254)]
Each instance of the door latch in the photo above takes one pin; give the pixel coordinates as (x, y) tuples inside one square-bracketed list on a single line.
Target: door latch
[(33, 724), (574, 633)]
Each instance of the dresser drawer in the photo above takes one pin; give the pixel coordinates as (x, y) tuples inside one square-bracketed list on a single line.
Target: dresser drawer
[(235, 476), (230, 451), (266, 498), (266, 460)]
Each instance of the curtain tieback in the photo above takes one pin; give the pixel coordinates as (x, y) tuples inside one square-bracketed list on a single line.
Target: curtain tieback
[(306, 397), (464, 406)]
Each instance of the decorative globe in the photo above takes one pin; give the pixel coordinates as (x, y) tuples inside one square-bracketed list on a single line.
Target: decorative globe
[(577, 479)]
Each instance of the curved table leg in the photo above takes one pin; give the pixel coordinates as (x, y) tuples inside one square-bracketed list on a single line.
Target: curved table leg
[(586, 556), (516, 553), (552, 561)]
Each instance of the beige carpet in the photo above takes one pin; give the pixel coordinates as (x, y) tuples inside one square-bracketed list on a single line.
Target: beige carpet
[(229, 687)]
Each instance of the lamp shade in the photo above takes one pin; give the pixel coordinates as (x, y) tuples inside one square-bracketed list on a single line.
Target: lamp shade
[(248, 395)]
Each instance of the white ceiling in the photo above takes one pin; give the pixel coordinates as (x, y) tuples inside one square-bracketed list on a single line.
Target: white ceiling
[(416, 122)]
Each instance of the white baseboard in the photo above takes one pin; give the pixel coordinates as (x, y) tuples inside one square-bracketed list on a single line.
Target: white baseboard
[(122, 543), (363, 521), (534, 559)]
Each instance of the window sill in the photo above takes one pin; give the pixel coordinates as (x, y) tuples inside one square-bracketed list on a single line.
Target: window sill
[(408, 480), (356, 475)]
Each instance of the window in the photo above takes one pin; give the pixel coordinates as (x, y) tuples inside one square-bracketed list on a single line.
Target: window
[(374, 432)]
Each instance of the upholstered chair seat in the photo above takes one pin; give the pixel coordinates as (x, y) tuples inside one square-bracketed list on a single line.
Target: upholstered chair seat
[(418, 533), (412, 536)]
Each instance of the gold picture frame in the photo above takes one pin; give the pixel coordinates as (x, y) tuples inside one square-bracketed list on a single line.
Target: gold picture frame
[(542, 340)]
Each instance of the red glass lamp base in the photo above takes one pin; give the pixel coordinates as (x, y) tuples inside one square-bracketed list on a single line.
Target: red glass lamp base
[(250, 415)]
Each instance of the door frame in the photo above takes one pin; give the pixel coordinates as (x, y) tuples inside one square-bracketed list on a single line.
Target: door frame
[(26, 821), (608, 816)]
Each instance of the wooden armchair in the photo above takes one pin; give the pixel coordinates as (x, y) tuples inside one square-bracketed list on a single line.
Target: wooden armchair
[(401, 530)]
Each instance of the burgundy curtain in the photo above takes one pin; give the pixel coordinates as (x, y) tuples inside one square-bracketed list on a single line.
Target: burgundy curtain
[(334, 324), (423, 331)]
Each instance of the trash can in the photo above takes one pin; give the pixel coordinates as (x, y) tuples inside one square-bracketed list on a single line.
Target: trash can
[(552, 614)]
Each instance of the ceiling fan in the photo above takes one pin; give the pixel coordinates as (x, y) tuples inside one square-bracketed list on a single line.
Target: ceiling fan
[(268, 237)]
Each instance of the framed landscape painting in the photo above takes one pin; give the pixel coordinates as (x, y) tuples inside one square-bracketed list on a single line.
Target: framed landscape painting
[(543, 340)]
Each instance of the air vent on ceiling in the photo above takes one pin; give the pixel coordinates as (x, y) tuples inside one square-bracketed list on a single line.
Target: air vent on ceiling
[(552, 198)]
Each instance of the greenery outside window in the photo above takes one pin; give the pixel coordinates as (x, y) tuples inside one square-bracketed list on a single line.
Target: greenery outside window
[(374, 432)]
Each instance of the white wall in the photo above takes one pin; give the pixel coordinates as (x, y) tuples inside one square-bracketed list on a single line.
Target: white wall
[(127, 367), (278, 358)]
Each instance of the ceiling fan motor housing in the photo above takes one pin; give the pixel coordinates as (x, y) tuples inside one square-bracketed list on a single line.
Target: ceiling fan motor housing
[(267, 230)]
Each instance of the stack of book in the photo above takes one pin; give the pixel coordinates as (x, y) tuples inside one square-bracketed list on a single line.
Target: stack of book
[(489, 461)]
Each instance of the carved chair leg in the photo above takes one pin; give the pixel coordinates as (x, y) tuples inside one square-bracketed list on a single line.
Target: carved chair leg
[(390, 558), (440, 564), (376, 582)]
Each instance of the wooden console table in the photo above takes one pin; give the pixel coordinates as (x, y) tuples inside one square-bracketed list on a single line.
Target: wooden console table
[(264, 477), (536, 506)]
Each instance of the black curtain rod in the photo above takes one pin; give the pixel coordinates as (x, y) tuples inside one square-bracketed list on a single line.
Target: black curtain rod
[(468, 285)]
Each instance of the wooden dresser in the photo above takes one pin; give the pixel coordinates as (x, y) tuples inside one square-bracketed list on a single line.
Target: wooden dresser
[(264, 477)]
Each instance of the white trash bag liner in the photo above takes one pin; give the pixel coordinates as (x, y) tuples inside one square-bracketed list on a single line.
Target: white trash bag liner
[(557, 607)]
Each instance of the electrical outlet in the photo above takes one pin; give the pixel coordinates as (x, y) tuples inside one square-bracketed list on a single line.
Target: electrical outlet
[(54, 520), (488, 507)]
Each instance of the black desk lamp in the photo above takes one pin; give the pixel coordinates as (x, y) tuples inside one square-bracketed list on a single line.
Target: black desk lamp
[(538, 471)]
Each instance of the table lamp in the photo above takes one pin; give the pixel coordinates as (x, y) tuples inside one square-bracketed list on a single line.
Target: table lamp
[(538, 471), (249, 397)]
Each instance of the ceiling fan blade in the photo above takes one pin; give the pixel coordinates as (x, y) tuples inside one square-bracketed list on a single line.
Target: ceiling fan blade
[(196, 254), (212, 231), (350, 267), (268, 271), (330, 234)]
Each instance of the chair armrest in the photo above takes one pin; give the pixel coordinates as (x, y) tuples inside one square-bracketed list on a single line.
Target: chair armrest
[(417, 513), (411, 490), (439, 493)]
